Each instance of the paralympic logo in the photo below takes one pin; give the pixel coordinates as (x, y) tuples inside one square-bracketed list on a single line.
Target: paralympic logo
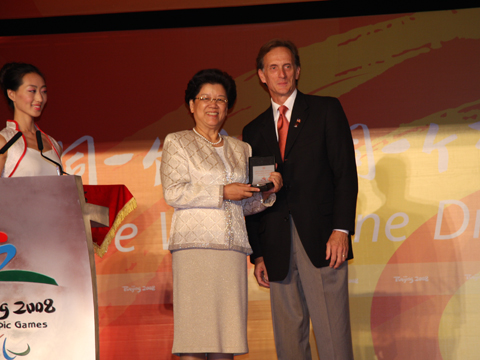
[(8, 357)]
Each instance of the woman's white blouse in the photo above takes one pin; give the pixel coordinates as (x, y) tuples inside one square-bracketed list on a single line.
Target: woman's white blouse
[(193, 176)]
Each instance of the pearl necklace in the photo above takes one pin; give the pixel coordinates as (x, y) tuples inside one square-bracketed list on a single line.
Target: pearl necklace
[(208, 141)]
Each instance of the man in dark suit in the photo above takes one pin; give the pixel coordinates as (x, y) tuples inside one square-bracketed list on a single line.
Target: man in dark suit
[(302, 243)]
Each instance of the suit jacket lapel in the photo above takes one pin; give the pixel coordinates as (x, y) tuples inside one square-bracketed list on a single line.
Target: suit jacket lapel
[(297, 121), (269, 134)]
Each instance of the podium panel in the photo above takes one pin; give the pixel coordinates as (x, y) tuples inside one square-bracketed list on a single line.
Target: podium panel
[(47, 274)]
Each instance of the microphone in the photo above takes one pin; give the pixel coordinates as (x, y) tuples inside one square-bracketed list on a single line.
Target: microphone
[(39, 141), (40, 148), (10, 142)]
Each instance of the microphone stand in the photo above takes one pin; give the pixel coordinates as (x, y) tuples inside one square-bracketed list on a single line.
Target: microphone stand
[(40, 148)]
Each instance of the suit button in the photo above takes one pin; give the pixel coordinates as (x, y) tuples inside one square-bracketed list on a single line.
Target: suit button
[(285, 218), (285, 160)]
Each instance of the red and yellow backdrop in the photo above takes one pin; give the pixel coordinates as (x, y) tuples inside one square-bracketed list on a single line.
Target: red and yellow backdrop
[(409, 84)]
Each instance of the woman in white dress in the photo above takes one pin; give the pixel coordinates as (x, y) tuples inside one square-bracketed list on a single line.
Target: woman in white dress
[(204, 178), (24, 88)]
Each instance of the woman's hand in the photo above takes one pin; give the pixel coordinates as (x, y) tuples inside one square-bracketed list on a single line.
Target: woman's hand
[(238, 191)]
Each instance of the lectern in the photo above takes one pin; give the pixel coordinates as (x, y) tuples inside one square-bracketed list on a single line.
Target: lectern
[(48, 300)]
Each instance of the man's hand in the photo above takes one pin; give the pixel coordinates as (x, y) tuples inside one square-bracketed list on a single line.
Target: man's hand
[(337, 248), (277, 180), (261, 273)]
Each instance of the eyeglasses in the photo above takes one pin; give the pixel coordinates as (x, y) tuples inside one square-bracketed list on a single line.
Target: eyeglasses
[(207, 99)]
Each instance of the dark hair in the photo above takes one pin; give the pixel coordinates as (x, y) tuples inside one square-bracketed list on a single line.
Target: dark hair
[(272, 44), (211, 76), (11, 77)]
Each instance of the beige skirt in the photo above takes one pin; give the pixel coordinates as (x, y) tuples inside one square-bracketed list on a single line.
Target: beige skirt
[(209, 301)]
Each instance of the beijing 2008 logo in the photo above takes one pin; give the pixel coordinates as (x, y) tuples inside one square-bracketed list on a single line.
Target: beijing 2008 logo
[(19, 276)]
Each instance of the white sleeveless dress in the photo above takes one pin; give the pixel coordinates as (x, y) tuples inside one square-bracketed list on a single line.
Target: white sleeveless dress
[(33, 164)]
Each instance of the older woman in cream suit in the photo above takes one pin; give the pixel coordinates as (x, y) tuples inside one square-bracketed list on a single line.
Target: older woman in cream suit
[(204, 176)]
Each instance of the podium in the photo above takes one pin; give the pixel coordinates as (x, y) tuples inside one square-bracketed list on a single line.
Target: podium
[(48, 299)]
